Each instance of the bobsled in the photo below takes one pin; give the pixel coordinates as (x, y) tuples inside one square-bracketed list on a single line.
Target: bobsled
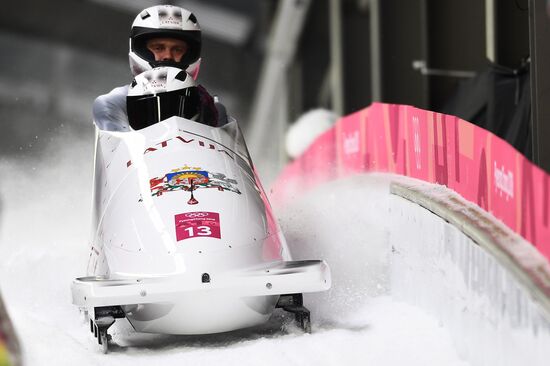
[(183, 237)]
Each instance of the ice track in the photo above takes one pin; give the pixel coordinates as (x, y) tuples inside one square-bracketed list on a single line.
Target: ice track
[(44, 244)]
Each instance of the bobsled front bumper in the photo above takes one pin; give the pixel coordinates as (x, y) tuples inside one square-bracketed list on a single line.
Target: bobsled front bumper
[(185, 304), (272, 279)]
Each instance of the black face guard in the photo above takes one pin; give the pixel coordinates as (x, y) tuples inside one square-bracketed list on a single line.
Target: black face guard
[(146, 110)]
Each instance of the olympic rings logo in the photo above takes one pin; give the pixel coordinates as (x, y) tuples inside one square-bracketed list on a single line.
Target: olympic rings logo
[(196, 214)]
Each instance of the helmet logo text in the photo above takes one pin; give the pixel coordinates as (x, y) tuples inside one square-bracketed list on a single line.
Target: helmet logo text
[(170, 16)]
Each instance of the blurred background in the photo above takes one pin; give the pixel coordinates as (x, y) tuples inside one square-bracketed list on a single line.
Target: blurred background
[(270, 61)]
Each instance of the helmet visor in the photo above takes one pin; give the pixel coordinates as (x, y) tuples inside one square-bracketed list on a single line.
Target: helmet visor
[(146, 110)]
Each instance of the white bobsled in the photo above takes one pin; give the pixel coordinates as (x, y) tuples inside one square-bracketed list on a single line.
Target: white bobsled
[(184, 240)]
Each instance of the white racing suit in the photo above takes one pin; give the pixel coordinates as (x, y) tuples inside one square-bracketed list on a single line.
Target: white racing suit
[(109, 110)]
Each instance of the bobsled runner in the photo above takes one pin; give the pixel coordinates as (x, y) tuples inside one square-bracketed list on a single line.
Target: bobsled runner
[(183, 237)]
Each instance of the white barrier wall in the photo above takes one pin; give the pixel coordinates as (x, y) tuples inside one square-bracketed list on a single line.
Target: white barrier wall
[(493, 314), (477, 275), (379, 243)]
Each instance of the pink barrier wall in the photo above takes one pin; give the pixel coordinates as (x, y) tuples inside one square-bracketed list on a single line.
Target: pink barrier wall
[(436, 148)]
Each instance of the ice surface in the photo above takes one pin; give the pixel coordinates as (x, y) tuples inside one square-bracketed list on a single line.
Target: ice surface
[(44, 244)]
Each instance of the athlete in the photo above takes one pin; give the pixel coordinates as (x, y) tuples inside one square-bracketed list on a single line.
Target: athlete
[(161, 35)]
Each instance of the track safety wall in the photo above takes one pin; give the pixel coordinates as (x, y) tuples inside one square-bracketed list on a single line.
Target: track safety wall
[(452, 259), (493, 297)]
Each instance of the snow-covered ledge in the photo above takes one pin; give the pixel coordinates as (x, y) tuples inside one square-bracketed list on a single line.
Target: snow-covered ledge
[(483, 282)]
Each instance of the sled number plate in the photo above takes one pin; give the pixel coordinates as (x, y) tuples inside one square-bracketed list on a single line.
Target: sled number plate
[(197, 224)]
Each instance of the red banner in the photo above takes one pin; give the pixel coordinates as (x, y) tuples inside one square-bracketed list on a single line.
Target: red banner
[(436, 148)]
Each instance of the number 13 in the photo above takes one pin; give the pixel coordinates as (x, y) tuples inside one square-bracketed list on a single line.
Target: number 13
[(201, 231)]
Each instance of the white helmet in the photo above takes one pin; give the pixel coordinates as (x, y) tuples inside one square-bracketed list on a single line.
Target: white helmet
[(165, 21), (161, 93)]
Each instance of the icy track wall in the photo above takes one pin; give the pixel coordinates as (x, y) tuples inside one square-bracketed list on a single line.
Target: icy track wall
[(471, 235)]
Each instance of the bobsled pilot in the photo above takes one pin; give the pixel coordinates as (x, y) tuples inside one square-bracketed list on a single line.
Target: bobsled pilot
[(161, 35)]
